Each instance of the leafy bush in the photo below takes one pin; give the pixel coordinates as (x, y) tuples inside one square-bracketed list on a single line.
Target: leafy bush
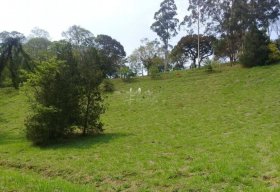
[(211, 65), (154, 72), (274, 53), (107, 86), (255, 52), (54, 101)]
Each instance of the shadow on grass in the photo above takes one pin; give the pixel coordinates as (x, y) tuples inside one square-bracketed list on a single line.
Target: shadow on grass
[(85, 142)]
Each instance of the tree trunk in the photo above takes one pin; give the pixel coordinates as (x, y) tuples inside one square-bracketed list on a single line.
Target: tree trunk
[(166, 56)]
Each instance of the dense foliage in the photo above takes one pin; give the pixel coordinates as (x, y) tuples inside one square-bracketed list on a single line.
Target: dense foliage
[(187, 49), (255, 52), (66, 98)]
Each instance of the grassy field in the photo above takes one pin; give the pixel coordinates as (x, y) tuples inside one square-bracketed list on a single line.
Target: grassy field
[(190, 131)]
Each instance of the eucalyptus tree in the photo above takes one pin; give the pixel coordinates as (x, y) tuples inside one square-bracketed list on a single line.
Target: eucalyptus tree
[(12, 55), (166, 24)]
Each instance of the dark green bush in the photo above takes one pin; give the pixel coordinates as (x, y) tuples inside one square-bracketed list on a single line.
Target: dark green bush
[(54, 101), (65, 95)]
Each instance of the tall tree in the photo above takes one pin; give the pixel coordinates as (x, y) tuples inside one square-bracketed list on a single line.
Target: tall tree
[(12, 55), (166, 24)]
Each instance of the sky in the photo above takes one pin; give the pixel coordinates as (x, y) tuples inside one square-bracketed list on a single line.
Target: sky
[(127, 21)]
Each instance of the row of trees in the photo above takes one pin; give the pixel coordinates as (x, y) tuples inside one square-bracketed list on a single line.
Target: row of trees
[(18, 53), (61, 78), (227, 28)]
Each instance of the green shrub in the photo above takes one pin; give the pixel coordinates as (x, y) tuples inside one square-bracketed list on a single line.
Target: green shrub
[(54, 100), (274, 53), (154, 72), (211, 65), (208, 66), (107, 86)]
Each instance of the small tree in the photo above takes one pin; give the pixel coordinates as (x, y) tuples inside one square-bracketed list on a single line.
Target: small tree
[(65, 94), (55, 102), (255, 52)]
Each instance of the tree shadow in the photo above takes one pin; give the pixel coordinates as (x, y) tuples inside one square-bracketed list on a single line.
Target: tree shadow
[(84, 142)]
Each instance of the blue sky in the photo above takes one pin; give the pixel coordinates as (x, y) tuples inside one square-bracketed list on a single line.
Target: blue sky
[(128, 21)]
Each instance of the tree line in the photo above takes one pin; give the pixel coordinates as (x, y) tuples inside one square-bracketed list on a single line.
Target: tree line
[(228, 30)]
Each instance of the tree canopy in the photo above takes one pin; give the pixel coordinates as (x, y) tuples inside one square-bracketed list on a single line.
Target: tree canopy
[(79, 36), (113, 52), (187, 49)]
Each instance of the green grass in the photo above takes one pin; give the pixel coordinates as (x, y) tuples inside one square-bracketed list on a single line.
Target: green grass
[(189, 131)]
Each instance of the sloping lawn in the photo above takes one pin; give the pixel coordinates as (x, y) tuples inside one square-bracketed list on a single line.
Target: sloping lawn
[(188, 131)]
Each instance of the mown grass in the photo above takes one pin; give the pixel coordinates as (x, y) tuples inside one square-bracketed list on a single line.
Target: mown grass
[(188, 131)]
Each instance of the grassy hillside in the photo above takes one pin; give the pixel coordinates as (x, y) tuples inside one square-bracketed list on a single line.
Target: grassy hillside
[(189, 131)]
